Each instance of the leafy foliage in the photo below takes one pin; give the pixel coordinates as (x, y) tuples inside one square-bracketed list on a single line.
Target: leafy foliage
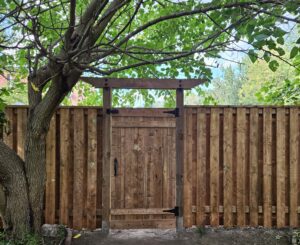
[(29, 239), (138, 41)]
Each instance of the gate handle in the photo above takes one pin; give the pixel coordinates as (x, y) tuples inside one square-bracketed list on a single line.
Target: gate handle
[(115, 167)]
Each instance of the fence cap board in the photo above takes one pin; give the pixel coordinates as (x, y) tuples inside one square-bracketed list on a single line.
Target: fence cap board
[(142, 83)]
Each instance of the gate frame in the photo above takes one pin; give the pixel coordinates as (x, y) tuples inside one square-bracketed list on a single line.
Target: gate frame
[(107, 84)]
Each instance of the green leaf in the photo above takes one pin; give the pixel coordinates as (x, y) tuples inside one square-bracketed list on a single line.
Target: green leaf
[(280, 51), (294, 52), (261, 37), (273, 65), (280, 40), (252, 55), (267, 56), (298, 41)]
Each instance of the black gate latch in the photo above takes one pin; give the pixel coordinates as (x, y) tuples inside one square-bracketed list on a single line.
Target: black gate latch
[(175, 112), (112, 111), (174, 211)]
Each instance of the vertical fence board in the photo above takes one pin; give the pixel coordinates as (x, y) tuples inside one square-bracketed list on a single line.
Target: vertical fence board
[(214, 166), (241, 166), (9, 132), (267, 167), (228, 171), (147, 169), (294, 166), (188, 171), (253, 167), (21, 130), (280, 167), (64, 165), (50, 202), (92, 169), (201, 166), (78, 168)]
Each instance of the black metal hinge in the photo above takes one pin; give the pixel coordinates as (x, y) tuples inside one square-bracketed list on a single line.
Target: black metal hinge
[(174, 211), (175, 112), (112, 111)]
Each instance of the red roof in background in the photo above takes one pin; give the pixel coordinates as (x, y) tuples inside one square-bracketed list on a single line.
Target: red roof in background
[(2, 81)]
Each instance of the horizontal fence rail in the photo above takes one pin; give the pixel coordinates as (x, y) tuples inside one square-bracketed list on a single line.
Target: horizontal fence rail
[(242, 166)]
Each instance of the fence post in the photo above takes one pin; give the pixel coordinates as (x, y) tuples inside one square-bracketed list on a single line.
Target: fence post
[(106, 160), (179, 158)]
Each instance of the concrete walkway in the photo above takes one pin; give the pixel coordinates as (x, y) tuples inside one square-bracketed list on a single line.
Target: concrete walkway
[(136, 237), (220, 236)]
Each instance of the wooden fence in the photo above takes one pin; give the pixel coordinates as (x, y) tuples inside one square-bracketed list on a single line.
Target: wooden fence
[(242, 166)]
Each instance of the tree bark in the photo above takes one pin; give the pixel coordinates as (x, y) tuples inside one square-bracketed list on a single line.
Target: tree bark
[(35, 168), (13, 179)]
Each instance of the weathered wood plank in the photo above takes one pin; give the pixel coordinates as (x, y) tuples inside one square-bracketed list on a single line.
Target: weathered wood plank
[(228, 171), (280, 167), (180, 158), (79, 161), (294, 166), (201, 167), (145, 124), (241, 166), (65, 161), (106, 162), (92, 169), (138, 224), (139, 211), (188, 171), (21, 131), (50, 202), (130, 83), (214, 166), (267, 167), (253, 167), (8, 134)]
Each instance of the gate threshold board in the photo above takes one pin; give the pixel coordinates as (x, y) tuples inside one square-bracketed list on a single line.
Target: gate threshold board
[(140, 224)]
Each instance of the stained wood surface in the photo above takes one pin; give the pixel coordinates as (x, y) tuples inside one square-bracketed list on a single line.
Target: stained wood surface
[(144, 171), (106, 159), (79, 162), (253, 167), (51, 195), (228, 166), (92, 169), (65, 162), (261, 189), (294, 166), (214, 167), (267, 168), (280, 167), (188, 170), (131, 83), (201, 167)]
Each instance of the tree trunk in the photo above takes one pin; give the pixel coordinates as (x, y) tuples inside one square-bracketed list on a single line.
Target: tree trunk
[(17, 213), (35, 168)]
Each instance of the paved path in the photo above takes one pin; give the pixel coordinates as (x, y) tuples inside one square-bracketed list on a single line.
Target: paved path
[(136, 237), (219, 236)]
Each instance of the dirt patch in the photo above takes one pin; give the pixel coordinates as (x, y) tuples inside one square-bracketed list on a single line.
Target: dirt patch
[(203, 236)]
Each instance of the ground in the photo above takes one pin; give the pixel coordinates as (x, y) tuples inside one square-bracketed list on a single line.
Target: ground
[(220, 236)]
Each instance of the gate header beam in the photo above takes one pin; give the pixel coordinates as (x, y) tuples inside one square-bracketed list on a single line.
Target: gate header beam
[(143, 83)]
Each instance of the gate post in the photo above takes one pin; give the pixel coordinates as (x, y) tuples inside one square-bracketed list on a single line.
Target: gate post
[(179, 158), (106, 160)]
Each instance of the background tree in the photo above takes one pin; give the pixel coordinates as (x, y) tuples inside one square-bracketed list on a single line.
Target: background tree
[(226, 88), (54, 42)]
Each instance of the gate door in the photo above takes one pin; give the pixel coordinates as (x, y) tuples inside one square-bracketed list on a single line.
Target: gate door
[(143, 175)]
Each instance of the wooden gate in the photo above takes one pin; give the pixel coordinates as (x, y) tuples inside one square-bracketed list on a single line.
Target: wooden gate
[(144, 169)]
